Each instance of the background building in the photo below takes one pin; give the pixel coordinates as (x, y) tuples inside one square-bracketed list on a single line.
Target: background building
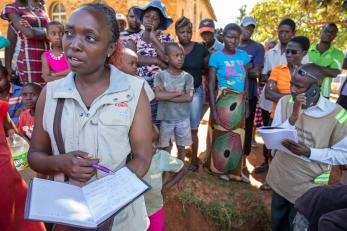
[(195, 10)]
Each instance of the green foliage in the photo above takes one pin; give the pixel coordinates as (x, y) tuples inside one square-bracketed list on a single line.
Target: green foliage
[(309, 15), (242, 11)]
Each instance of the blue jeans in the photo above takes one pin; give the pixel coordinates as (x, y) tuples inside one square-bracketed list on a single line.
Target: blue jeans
[(196, 108)]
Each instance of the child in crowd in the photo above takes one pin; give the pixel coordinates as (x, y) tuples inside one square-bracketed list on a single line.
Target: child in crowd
[(12, 187), (11, 93), (30, 95), (128, 63), (174, 91), (54, 63), (162, 162)]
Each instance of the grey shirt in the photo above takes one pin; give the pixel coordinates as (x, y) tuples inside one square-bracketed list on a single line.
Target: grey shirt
[(168, 110)]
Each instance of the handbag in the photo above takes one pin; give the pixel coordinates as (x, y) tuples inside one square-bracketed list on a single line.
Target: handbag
[(107, 224)]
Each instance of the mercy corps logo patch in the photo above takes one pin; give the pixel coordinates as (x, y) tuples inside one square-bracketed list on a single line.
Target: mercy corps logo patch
[(121, 104)]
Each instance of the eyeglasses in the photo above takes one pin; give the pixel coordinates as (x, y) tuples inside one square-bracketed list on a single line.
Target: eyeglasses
[(305, 73), (294, 52)]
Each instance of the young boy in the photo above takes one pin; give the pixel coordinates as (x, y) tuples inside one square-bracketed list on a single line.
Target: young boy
[(129, 65), (30, 95), (162, 163), (174, 91)]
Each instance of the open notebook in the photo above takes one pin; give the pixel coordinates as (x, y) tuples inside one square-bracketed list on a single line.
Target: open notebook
[(87, 206)]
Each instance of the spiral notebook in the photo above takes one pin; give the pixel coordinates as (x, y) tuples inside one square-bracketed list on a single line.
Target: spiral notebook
[(84, 207)]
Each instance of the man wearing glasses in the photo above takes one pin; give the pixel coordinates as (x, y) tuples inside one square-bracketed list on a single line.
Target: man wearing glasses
[(322, 131)]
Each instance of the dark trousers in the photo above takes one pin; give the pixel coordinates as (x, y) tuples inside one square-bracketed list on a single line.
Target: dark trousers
[(252, 103), (266, 121), (342, 100), (282, 213)]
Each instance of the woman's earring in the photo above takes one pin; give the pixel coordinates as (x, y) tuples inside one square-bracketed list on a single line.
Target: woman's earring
[(108, 55)]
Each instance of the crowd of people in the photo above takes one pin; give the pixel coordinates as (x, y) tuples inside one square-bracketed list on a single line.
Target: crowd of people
[(118, 90)]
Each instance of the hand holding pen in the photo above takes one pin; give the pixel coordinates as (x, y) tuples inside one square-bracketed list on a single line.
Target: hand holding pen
[(77, 165)]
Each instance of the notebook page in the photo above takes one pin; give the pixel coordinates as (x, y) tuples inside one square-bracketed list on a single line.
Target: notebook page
[(107, 195), (58, 202)]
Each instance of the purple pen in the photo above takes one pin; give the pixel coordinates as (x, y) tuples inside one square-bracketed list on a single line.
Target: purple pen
[(102, 168)]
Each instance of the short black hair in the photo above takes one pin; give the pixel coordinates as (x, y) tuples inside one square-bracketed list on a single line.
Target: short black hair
[(54, 23), (183, 22), (131, 8), (332, 24), (3, 70), (35, 86), (108, 13), (289, 22), (170, 45), (303, 42), (232, 26)]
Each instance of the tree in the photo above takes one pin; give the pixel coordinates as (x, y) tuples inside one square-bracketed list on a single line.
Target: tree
[(309, 15), (242, 11)]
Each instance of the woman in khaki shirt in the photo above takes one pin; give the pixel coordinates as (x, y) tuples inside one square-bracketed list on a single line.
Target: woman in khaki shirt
[(106, 114)]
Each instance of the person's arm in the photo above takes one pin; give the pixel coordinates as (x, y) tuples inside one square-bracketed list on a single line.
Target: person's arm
[(154, 37), (331, 72), (168, 183), (9, 126), (29, 32), (146, 60), (336, 155), (9, 50), (184, 98), (140, 136), (47, 73), (271, 91), (77, 165), (162, 95), (211, 87)]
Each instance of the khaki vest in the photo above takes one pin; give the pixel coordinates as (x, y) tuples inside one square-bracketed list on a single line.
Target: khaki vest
[(290, 176), (101, 131)]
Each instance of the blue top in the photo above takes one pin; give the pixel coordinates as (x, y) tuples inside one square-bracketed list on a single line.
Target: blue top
[(15, 101), (256, 53), (230, 69)]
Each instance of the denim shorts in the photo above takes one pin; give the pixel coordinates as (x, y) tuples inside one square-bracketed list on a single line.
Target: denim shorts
[(180, 129), (196, 108)]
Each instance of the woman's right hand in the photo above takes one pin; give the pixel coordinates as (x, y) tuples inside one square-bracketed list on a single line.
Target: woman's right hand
[(78, 165)]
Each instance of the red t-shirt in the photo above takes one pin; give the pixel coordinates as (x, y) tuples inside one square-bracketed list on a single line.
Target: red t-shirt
[(26, 124)]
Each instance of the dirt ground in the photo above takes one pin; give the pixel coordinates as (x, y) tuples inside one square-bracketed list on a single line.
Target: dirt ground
[(247, 198)]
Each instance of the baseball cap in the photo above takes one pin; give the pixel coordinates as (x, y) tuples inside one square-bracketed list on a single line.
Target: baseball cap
[(206, 25), (248, 20)]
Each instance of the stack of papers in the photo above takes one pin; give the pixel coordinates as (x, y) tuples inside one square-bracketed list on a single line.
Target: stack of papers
[(273, 137)]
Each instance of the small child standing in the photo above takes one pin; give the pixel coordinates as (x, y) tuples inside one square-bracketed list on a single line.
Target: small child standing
[(174, 90), (54, 63), (128, 64), (162, 162), (30, 95)]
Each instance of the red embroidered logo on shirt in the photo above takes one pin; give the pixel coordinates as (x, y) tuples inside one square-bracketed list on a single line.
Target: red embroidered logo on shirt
[(122, 104)]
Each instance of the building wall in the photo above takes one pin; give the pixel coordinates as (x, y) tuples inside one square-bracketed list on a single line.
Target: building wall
[(195, 10)]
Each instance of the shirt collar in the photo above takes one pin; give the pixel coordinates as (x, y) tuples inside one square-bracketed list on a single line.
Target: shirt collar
[(323, 105)]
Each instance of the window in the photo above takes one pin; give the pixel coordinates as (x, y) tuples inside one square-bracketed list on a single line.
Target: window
[(58, 12)]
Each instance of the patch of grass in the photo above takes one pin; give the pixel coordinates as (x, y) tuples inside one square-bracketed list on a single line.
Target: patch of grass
[(221, 212)]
